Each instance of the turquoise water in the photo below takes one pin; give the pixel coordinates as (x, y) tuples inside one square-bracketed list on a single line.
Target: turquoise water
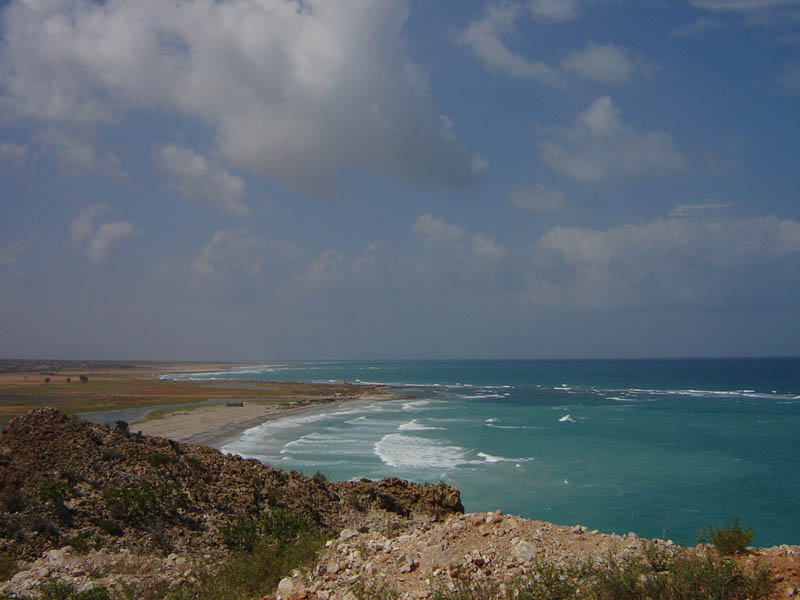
[(617, 445)]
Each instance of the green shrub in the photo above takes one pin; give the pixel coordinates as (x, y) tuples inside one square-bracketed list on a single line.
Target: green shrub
[(194, 462), (84, 541), (56, 493), (122, 428), (144, 503), (110, 454), (45, 526), (373, 590), (730, 539), (319, 477), (59, 590), (699, 578), (8, 567), (688, 577), (245, 533), (159, 459), (110, 527), (465, 589), (12, 500)]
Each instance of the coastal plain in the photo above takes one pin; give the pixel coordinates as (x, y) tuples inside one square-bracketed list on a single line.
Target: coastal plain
[(25, 385)]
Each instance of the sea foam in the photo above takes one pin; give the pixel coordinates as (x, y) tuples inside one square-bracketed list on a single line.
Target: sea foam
[(405, 451)]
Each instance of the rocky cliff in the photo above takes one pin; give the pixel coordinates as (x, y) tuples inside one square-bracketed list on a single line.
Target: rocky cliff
[(66, 481)]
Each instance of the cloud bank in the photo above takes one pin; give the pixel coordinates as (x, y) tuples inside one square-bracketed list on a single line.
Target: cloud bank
[(295, 92)]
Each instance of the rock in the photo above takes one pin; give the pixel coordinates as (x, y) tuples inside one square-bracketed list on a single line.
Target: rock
[(791, 591), (347, 534), (525, 551), (286, 588), (333, 567)]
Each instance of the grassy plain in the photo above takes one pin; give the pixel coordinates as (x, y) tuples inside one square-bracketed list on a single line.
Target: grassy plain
[(138, 385)]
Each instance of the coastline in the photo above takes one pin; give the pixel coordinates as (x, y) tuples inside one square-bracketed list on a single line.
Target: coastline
[(215, 425)]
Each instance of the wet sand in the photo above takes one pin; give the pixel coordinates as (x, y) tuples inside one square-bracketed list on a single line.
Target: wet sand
[(214, 425)]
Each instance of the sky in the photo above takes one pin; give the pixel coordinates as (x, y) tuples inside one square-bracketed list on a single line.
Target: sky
[(378, 179)]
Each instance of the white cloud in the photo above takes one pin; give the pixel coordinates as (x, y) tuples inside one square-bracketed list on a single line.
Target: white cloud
[(10, 252), (13, 153), (326, 270), (699, 210), (196, 177), (82, 225), (599, 146), (273, 80), (237, 263), (742, 5), (698, 262), (556, 11), (437, 231), (78, 157), (484, 38), (450, 255), (108, 235), (486, 248), (538, 198), (605, 63)]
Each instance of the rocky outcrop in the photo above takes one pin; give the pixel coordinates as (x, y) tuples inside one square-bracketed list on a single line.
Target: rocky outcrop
[(64, 480)]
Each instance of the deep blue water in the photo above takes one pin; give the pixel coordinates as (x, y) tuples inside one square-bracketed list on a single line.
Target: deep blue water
[(618, 445)]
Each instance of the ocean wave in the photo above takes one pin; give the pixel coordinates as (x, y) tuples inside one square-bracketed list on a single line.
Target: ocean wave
[(358, 421), (405, 451), (476, 396), (494, 459), (566, 419), (700, 393), (416, 404), (413, 425)]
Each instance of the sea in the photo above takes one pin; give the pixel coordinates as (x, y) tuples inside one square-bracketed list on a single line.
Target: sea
[(662, 448)]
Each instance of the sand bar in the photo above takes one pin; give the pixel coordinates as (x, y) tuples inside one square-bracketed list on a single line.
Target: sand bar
[(214, 425)]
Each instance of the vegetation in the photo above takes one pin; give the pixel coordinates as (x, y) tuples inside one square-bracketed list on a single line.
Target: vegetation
[(730, 539), (686, 577), (265, 550), (145, 503), (59, 590), (55, 494)]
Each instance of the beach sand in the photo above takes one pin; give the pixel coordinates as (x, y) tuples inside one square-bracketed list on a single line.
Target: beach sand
[(217, 424)]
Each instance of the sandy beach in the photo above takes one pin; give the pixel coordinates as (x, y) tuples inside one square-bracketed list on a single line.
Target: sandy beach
[(216, 424)]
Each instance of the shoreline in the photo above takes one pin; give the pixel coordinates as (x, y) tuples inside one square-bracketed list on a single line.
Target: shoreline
[(215, 425)]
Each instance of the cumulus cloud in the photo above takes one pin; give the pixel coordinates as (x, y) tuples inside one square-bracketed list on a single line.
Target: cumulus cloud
[(484, 37), (13, 153), (699, 210), (237, 263), (326, 270), (605, 63), (743, 5), (452, 255), (107, 237), (437, 231), (556, 11), (272, 80), (78, 157), (598, 146), (725, 14), (539, 198), (9, 253), (196, 177), (678, 262), (82, 225)]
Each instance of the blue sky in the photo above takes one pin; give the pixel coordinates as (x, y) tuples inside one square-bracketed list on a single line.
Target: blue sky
[(264, 179)]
